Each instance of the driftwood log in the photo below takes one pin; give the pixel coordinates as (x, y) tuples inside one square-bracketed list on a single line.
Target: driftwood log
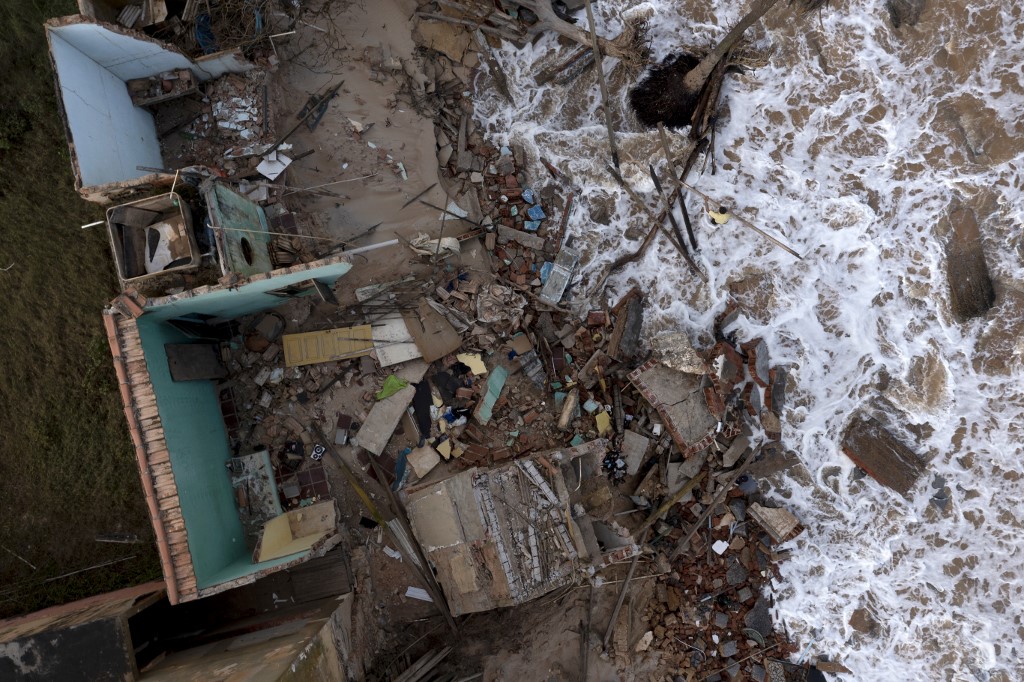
[(627, 46), (970, 285)]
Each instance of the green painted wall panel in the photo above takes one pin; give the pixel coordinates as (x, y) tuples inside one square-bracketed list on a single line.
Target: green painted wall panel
[(247, 225), (246, 299), (198, 446), (243, 566), (194, 428)]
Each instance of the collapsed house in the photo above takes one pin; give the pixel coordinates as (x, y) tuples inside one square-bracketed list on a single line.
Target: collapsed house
[(166, 353), (292, 622), (501, 536), (529, 447), (117, 87)]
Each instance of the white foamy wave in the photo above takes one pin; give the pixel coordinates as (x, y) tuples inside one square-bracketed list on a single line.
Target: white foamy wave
[(850, 146)]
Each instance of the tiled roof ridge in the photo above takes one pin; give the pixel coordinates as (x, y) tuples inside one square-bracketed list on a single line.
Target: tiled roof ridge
[(151, 453)]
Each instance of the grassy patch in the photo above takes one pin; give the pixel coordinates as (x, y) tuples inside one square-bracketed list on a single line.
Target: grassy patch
[(67, 471)]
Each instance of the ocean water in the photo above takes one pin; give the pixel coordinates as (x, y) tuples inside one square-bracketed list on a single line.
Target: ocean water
[(850, 145)]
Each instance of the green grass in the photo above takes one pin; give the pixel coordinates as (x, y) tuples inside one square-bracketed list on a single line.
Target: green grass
[(67, 470)]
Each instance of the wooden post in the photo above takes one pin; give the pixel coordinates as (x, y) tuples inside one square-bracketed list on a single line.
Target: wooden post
[(678, 495), (604, 86), (747, 223), (714, 503), (679, 183), (622, 593)]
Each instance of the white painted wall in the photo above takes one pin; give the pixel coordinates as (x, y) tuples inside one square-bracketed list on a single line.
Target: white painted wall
[(127, 57), (111, 136), (123, 56)]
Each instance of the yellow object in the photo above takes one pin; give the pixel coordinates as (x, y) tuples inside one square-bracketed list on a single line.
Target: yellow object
[(720, 218), (445, 448), (333, 344), (296, 531), (474, 361), (604, 423)]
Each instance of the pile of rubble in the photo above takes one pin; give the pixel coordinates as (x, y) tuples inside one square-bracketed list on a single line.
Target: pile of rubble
[(231, 130), (475, 376)]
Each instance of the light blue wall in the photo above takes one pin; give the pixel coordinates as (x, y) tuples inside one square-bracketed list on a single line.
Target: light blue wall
[(194, 427), (229, 209), (249, 298), (198, 445), (111, 135), (125, 57)]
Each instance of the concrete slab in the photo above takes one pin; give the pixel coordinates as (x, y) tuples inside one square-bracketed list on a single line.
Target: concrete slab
[(679, 399), (376, 431), (877, 451), (634, 447)]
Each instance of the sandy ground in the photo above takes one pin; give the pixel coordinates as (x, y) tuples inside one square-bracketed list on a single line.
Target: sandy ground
[(363, 38)]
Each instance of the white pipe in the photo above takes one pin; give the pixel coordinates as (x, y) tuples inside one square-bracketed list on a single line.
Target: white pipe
[(371, 247)]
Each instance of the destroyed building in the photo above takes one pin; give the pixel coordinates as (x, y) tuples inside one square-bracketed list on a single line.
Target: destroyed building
[(295, 621), (504, 428), (166, 353), (122, 91)]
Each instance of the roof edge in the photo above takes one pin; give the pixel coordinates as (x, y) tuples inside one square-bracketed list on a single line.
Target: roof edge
[(114, 338)]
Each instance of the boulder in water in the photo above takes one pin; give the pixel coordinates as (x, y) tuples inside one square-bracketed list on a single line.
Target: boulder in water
[(970, 286), (904, 12)]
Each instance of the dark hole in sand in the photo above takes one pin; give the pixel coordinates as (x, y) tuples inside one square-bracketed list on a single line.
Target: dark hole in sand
[(660, 96)]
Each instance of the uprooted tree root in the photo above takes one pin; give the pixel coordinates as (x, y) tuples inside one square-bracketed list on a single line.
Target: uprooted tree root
[(635, 45), (662, 96)]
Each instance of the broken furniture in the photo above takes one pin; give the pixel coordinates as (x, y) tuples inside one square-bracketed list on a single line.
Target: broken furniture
[(162, 87), (296, 531), (151, 237)]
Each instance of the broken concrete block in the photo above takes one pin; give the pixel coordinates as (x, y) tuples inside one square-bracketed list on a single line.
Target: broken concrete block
[(779, 523), (423, 460), (757, 361), (528, 240), (970, 285), (679, 399), (495, 384), (385, 414), (675, 350), (634, 448), (737, 449), (886, 459)]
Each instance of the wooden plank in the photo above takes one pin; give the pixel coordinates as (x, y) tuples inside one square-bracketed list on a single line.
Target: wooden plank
[(326, 346), (877, 452), (435, 336)]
